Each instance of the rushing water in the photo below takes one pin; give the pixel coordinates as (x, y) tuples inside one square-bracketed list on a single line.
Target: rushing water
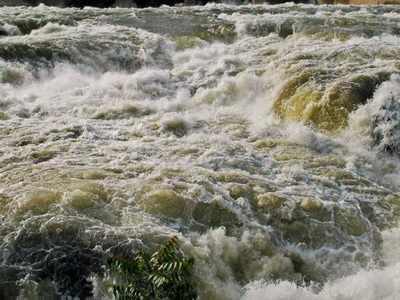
[(266, 137)]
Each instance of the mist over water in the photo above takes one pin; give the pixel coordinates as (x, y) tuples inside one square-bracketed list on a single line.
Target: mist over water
[(265, 137)]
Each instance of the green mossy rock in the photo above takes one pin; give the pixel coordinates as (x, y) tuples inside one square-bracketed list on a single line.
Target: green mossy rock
[(270, 201), (214, 215), (42, 156), (4, 116), (237, 190), (176, 126), (351, 222), (125, 112), (164, 202), (38, 202), (317, 98)]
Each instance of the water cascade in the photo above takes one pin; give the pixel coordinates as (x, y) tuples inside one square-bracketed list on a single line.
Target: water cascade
[(265, 138)]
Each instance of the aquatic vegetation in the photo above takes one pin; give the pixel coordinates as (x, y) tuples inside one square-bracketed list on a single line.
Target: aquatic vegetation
[(166, 274)]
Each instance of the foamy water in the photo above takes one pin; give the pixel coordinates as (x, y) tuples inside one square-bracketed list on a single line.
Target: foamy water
[(264, 137)]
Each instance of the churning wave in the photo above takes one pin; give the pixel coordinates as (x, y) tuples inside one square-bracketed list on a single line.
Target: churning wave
[(265, 137)]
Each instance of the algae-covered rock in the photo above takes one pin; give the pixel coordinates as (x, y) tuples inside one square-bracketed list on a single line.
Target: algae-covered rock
[(124, 112), (237, 190), (313, 208), (326, 161), (94, 174), (231, 176), (266, 144), (177, 126), (311, 234), (38, 202), (341, 99), (314, 224), (42, 156), (3, 116), (187, 42), (70, 132), (392, 204), (351, 222), (325, 104), (81, 200), (93, 200), (5, 203), (339, 175), (214, 215), (310, 204), (269, 201), (296, 99), (97, 191), (12, 76), (293, 153), (164, 202), (216, 32), (310, 272)]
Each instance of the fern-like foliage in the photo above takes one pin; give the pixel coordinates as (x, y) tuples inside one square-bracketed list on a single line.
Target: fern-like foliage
[(166, 274)]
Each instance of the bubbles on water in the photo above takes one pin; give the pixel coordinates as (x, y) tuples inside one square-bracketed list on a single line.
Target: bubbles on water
[(113, 139)]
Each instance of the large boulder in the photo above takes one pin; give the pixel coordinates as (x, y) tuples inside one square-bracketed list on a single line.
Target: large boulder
[(325, 104)]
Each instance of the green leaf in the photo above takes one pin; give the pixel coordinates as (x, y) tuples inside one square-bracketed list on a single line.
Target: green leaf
[(166, 274)]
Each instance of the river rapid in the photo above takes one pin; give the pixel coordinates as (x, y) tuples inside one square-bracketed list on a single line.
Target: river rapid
[(267, 138)]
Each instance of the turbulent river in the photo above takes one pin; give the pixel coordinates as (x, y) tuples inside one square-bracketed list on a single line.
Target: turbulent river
[(266, 138)]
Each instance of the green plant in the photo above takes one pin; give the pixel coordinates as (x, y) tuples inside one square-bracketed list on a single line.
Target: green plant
[(166, 274)]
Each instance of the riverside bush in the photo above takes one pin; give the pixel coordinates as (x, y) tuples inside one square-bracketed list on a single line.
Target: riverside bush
[(166, 274)]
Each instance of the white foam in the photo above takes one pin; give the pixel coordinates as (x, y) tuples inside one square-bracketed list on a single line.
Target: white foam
[(382, 284)]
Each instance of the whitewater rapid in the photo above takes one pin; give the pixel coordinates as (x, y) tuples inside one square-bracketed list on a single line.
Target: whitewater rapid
[(265, 137)]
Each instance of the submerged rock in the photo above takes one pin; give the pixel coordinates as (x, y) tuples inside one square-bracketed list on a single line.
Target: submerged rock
[(325, 105), (270, 201), (177, 125), (3, 116), (312, 224), (124, 112), (310, 204), (166, 203), (214, 215), (43, 155), (38, 202)]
